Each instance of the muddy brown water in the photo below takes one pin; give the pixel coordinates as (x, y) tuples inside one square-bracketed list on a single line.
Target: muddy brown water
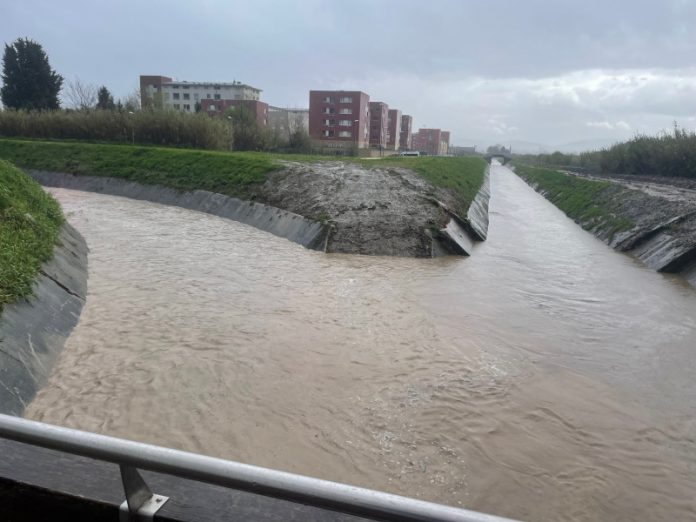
[(547, 377)]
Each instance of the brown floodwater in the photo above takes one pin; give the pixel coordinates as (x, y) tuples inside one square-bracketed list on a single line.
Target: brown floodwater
[(546, 377)]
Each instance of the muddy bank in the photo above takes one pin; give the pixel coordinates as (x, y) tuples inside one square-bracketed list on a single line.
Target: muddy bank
[(34, 330), (377, 211), (334, 207), (661, 218)]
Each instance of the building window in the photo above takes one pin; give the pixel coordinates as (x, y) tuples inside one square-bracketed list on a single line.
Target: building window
[(175, 86), (175, 95), (177, 106), (187, 107), (346, 99), (345, 123), (329, 110), (328, 99), (166, 96), (208, 95), (327, 133), (184, 86), (329, 122), (211, 108), (217, 96), (196, 96), (187, 96), (345, 110), (345, 134)]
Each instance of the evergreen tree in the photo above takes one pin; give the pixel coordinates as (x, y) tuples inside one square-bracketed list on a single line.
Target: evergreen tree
[(28, 80), (105, 100)]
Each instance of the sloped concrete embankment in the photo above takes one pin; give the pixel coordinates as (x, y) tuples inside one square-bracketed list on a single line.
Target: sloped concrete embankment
[(308, 233), (33, 331), (663, 231), (333, 207)]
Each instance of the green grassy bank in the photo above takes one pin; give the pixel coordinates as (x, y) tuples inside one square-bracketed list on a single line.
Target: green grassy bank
[(229, 173), (588, 202), (29, 223), (185, 169)]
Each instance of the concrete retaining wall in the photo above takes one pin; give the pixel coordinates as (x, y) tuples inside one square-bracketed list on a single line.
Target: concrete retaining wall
[(664, 233), (33, 331), (477, 215), (460, 234), (308, 233)]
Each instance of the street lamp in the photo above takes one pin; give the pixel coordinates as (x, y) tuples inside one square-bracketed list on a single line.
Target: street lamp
[(132, 127)]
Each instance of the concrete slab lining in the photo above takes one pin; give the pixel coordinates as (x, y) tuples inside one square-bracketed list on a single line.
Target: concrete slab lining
[(33, 331), (306, 232)]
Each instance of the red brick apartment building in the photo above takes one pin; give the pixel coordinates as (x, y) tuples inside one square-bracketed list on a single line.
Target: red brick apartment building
[(431, 141), (339, 119), (218, 108), (379, 114), (405, 138), (393, 129), (444, 142)]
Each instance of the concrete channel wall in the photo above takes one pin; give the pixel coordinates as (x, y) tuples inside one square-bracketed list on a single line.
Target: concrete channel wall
[(460, 234), (33, 331), (308, 233), (663, 235)]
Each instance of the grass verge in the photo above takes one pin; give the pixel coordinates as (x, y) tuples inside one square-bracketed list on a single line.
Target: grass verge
[(229, 173), (29, 223), (583, 200)]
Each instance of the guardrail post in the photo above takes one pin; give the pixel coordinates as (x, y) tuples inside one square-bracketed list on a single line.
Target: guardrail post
[(141, 504)]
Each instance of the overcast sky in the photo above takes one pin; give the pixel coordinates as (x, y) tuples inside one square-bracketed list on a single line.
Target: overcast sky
[(542, 71)]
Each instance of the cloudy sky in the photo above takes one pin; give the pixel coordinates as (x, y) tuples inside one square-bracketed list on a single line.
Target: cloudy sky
[(510, 71)]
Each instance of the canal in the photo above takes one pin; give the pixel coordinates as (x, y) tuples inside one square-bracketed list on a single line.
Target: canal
[(546, 377)]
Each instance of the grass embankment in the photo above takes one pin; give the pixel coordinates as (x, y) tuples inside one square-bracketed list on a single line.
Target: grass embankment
[(463, 176), (29, 223), (229, 173), (586, 201), (224, 172)]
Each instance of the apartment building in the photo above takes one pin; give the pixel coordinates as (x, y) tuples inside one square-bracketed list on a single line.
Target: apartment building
[(379, 114), (444, 142), (405, 138), (162, 91), (214, 107), (339, 119), (431, 141), (285, 121), (393, 129)]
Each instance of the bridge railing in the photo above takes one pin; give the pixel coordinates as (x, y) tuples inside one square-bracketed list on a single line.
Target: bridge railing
[(140, 503)]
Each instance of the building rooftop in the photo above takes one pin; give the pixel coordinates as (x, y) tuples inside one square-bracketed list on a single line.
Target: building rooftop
[(207, 84)]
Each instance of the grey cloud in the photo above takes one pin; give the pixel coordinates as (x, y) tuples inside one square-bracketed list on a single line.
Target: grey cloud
[(541, 70)]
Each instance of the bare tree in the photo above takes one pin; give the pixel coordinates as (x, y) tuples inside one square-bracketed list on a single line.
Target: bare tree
[(81, 95), (131, 102)]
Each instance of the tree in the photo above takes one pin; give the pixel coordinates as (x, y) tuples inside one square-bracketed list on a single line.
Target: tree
[(247, 133), (105, 100), (131, 103), (81, 96), (299, 138), (28, 80)]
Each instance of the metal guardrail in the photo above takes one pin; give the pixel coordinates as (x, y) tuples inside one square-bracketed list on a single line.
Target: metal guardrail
[(141, 503)]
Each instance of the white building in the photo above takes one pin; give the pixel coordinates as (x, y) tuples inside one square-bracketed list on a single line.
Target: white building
[(183, 96)]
